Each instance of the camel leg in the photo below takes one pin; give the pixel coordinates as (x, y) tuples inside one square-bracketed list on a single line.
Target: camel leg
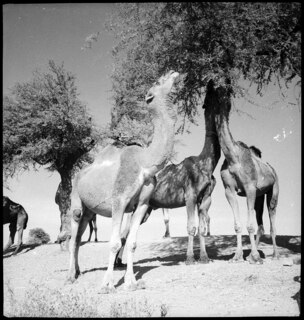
[(207, 219), (95, 227), (259, 208), (118, 261), (254, 256), (119, 205), (130, 281), (191, 228), (272, 200), (12, 228), (231, 197), (79, 223), (166, 220), (203, 226), (91, 230), (20, 234)]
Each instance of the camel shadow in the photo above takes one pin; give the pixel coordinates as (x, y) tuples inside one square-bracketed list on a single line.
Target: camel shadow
[(94, 269), (85, 242), (24, 249), (139, 271), (220, 247), (292, 243)]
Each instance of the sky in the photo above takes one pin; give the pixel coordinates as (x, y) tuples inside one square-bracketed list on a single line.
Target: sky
[(35, 33)]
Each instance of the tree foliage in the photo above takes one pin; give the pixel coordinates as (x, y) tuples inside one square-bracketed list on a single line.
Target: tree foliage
[(45, 123), (224, 41)]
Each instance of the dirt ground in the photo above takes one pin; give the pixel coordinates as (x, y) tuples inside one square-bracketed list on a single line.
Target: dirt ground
[(219, 288)]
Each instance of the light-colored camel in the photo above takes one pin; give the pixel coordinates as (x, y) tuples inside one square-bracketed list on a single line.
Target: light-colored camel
[(122, 180), (244, 174), (16, 216), (190, 183)]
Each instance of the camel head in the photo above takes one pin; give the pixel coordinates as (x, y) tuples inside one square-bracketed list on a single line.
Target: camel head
[(159, 95), (222, 102)]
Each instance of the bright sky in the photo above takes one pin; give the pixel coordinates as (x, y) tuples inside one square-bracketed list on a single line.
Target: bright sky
[(35, 33)]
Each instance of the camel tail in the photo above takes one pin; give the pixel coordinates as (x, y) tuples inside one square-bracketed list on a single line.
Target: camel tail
[(275, 190), (25, 221)]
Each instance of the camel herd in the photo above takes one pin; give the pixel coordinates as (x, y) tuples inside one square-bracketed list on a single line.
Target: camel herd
[(135, 180)]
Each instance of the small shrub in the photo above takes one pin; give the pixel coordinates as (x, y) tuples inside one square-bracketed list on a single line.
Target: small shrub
[(38, 236), (131, 308), (40, 301)]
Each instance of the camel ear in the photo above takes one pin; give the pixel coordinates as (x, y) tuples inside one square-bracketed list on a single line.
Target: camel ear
[(14, 207)]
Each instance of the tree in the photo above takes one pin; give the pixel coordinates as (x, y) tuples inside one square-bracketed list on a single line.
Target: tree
[(45, 124), (226, 42)]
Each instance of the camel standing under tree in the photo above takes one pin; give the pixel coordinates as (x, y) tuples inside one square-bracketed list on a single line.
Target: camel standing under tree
[(190, 183), (16, 216), (122, 180), (244, 174)]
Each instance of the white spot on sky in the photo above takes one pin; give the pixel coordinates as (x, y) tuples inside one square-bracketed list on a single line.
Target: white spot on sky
[(282, 136), (93, 37)]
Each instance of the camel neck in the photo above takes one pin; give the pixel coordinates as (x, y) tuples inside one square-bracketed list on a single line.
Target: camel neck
[(226, 140), (211, 152), (160, 149)]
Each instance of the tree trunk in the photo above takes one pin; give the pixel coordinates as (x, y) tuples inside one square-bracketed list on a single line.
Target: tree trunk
[(63, 199)]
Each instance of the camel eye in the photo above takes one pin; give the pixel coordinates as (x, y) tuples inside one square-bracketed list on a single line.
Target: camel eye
[(149, 99)]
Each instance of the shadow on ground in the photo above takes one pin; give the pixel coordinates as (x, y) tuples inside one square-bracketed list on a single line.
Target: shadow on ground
[(23, 249), (173, 251)]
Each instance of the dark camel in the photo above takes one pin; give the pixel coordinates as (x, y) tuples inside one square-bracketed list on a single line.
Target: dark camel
[(16, 216), (121, 181), (244, 174), (190, 183)]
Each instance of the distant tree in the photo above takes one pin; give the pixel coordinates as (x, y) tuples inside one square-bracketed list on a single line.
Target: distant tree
[(45, 124), (224, 41), (38, 236)]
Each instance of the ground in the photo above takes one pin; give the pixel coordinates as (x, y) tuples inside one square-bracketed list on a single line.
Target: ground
[(34, 281)]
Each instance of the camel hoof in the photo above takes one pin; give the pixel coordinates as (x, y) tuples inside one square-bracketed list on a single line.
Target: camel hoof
[(166, 236), (107, 290), (190, 260), (254, 259), (130, 286), (70, 280), (276, 256), (140, 284), (204, 260)]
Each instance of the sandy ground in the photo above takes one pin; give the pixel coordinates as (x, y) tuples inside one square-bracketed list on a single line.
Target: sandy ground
[(219, 288)]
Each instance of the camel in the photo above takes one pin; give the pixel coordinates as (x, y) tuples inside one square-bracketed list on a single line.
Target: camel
[(121, 180), (16, 216), (244, 174), (191, 183)]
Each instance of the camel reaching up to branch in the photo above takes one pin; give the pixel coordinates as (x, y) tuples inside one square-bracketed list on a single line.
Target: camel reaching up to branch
[(16, 216), (244, 174), (190, 183), (121, 181)]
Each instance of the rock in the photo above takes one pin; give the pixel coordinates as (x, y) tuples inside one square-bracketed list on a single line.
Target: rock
[(287, 262)]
